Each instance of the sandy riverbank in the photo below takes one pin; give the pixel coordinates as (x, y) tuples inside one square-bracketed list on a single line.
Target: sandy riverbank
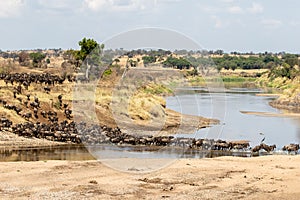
[(269, 177), (13, 141), (269, 114)]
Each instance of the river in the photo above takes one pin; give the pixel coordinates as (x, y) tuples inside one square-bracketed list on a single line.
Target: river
[(234, 125), (225, 106)]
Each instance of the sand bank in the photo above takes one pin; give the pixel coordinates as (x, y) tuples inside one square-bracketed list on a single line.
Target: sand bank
[(269, 177)]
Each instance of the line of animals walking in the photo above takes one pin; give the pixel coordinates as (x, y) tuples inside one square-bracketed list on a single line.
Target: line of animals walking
[(59, 125), (95, 134)]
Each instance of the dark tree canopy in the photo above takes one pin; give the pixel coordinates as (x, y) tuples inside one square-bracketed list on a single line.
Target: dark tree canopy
[(291, 59), (149, 59), (89, 58), (179, 63), (87, 46), (37, 58)]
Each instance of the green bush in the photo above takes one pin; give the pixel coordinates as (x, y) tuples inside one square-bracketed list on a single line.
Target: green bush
[(107, 72)]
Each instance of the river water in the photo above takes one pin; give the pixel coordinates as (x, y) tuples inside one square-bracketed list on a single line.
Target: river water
[(234, 125)]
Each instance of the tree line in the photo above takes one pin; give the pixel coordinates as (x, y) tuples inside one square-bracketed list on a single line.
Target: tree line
[(255, 62), (280, 64)]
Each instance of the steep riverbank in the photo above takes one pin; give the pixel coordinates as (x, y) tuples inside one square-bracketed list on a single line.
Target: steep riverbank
[(39, 105), (289, 88)]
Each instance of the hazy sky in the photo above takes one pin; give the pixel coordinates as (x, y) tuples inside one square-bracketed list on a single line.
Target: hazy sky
[(231, 25)]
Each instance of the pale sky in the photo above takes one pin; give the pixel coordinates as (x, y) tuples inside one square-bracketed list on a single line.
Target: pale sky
[(231, 25)]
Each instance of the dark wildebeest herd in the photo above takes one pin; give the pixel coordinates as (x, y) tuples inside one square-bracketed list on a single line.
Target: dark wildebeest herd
[(41, 123)]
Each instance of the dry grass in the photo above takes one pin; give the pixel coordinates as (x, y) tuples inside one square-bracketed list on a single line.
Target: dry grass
[(146, 107)]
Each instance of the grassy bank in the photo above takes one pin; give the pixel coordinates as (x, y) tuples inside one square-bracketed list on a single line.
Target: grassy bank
[(228, 81), (288, 87), (157, 89)]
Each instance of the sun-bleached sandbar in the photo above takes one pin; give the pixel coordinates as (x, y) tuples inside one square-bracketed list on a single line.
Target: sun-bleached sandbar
[(269, 114)]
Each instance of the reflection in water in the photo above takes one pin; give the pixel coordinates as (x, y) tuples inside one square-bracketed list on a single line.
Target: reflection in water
[(149, 152), (64, 152), (80, 152)]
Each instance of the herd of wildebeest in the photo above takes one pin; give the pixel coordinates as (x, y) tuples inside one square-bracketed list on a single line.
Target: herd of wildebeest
[(57, 123)]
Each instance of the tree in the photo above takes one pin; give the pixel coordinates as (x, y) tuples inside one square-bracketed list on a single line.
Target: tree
[(132, 63), (179, 63), (228, 64), (219, 68), (89, 58), (70, 57), (37, 58), (148, 59), (86, 48), (291, 59), (116, 60), (24, 58), (219, 52)]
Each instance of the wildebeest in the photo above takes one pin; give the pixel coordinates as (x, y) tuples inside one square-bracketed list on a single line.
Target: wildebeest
[(26, 79), (27, 115), (26, 103), (267, 148), (68, 113), (18, 110), (242, 144), (15, 94), (5, 123), (256, 148), (47, 89), (19, 99), (44, 113), (59, 97), (34, 104), (291, 147), (221, 145)]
